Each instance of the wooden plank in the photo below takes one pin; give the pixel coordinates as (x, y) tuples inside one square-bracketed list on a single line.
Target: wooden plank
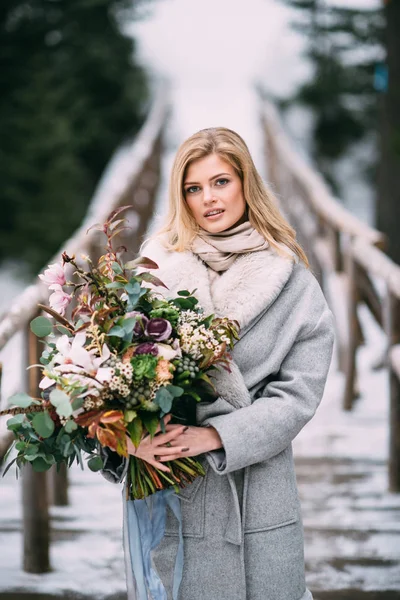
[(377, 263), (370, 296), (394, 358)]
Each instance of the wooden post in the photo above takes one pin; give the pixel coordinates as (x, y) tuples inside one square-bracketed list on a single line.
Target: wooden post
[(392, 322), (36, 525), (58, 486), (353, 328)]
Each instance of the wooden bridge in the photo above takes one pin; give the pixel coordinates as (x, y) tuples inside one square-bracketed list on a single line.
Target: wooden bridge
[(347, 256)]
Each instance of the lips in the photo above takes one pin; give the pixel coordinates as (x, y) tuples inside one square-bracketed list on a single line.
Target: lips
[(213, 212)]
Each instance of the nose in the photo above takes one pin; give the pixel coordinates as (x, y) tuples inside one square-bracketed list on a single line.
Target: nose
[(208, 195)]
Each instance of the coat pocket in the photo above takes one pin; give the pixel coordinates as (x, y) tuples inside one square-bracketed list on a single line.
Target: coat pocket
[(192, 507), (272, 500)]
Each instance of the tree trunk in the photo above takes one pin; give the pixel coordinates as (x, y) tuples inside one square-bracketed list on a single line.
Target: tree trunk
[(388, 201)]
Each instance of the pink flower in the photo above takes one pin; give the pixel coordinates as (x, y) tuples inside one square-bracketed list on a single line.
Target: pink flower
[(59, 299), (54, 275)]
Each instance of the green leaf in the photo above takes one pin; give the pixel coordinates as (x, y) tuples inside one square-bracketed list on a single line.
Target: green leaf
[(43, 424), (175, 390), (22, 400), (135, 429), (39, 465), (117, 331), (164, 399), (184, 293), (64, 330), (41, 326), (150, 422), (70, 426), (95, 463), (116, 268)]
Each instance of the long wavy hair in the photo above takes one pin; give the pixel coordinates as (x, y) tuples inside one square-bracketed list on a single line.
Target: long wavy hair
[(180, 227)]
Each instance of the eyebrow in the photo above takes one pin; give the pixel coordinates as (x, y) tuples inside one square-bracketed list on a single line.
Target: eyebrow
[(211, 178)]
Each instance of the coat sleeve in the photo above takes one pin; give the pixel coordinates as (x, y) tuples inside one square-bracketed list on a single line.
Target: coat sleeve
[(255, 433)]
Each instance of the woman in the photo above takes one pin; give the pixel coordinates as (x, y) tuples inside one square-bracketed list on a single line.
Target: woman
[(225, 238)]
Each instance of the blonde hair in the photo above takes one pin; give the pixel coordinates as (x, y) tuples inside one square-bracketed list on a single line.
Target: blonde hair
[(181, 228)]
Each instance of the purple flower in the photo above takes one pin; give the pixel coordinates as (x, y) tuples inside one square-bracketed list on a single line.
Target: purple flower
[(140, 325), (158, 329), (147, 348)]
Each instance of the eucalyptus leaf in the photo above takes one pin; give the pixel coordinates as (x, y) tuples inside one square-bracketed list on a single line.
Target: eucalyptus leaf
[(117, 331), (70, 426), (164, 399), (175, 390), (39, 465), (41, 326), (133, 287), (43, 424), (95, 463), (62, 403), (116, 268), (22, 400), (129, 324)]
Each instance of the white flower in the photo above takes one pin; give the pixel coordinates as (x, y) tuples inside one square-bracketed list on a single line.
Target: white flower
[(59, 299), (54, 275), (167, 352)]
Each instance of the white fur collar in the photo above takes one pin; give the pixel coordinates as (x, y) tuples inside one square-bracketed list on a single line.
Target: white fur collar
[(242, 292)]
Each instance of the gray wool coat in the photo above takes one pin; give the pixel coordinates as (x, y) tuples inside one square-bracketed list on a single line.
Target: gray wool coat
[(242, 524)]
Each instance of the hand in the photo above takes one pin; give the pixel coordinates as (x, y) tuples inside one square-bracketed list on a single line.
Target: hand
[(191, 442), (150, 449)]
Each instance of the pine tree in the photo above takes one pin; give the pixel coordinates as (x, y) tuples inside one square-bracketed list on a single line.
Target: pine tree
[(344, 46), (71, 93)]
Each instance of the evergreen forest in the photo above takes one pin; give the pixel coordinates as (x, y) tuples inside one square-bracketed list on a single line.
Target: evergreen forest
[(71, 93), (345, 49)]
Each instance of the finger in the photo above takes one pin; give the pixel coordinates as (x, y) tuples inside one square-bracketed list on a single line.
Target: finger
[(165, 458), (177, 450), (159, 465), (164, 438)]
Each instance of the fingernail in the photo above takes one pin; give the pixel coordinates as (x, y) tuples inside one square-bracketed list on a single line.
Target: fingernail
[(185, 449)]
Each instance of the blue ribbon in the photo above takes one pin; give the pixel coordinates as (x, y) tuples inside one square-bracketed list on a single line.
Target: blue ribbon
[(146, 527)]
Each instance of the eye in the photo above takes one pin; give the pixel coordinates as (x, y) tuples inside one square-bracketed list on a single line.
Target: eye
[(222, 181), (192, 189)]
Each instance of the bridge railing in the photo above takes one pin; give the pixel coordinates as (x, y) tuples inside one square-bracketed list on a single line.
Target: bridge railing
[(347, 256), (131, 178)]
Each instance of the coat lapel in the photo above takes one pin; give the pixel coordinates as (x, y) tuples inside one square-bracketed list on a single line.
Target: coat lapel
[(243, 292)]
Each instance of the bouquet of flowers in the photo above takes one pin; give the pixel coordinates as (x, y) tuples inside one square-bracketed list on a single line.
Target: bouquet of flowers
[(125, 359)]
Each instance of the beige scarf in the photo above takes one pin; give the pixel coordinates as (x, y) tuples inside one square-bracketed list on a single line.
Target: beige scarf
[(219, 250)]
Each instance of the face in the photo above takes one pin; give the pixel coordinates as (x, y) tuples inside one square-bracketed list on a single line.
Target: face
[(214, 193)]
